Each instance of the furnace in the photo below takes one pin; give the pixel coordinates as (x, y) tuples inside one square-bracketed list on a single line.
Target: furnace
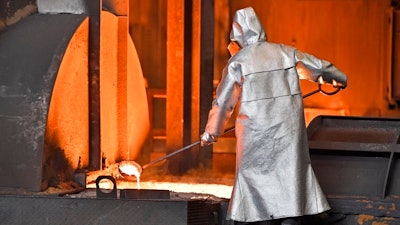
[(50, 106)]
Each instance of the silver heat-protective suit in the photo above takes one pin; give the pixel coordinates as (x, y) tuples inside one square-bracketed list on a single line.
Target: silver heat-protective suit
[(274, 177)]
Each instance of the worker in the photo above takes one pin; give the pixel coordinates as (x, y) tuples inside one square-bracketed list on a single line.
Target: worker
[(274, 180)]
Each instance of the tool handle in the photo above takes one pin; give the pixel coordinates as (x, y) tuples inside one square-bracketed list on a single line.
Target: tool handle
[(178, 151), (171, 154)]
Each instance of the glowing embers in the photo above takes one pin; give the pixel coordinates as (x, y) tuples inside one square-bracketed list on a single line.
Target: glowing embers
[(217, 190), (199, 181)]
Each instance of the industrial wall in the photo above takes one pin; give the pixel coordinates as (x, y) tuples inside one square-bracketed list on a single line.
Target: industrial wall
[(358, 36), (355, 35)]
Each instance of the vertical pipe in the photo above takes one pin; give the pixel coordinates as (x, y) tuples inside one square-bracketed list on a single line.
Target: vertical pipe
[(122, 88), (195, 76), (183, 162), (206, 73), (94, 85), (175, 68), (189, 159), (396, 55)]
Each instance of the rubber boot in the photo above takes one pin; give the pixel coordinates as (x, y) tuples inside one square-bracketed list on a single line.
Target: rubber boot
[(291, 221)]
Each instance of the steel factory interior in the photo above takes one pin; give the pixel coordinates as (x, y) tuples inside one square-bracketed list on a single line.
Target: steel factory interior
[(89, 86)]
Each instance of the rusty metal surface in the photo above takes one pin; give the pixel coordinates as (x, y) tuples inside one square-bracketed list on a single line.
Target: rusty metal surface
[(365, 219), (389, 207), (31, 52), (12, 11), (396, 52)]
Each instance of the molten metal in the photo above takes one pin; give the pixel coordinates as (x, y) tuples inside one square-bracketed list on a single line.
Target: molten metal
[(130, 168)]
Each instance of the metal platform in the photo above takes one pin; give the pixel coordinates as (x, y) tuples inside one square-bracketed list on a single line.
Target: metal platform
[(93, 210), (356, 161)]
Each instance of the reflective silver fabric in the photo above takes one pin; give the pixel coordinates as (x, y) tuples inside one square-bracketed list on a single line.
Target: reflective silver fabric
[(274, 178)]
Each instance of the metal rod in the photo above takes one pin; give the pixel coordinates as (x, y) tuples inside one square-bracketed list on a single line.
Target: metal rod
[(180, 150), (171, 154), (388, 172)]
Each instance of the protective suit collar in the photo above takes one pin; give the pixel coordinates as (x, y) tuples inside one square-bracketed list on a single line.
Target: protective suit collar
[(246, 28)]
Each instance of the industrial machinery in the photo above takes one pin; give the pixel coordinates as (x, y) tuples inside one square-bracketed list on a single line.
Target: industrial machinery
[(52, 67)]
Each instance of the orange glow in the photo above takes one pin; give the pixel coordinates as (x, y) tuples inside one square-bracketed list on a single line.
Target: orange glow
[(218, 190), (67, 132), (123, 101), (130, 168), (216, 182), (233, 48), (124, 109), (138, 121)]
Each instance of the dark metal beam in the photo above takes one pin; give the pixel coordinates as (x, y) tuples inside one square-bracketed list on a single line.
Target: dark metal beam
[(94, 85), (206, 73)]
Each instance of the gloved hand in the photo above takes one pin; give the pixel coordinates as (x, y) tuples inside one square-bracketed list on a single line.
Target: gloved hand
[(338, 84), (207, 139), (334, 83)]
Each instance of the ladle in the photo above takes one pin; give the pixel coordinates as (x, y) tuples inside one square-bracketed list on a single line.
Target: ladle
[(130, 168)]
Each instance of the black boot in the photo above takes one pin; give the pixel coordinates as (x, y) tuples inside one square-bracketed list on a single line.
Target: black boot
[(240, 223), (291, 221), (323, 219), (333, 218)]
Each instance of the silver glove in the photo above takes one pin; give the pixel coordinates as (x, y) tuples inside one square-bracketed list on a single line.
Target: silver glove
[(207, 139)]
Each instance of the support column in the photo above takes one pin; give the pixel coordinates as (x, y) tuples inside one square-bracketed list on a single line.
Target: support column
[(175, 80), (396, 54), (122, 78), (94, 84), (206, 74), (202, 55), (190, 43)]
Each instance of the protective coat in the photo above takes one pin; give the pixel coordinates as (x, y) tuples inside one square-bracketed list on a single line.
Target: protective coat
[(274, 177)]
